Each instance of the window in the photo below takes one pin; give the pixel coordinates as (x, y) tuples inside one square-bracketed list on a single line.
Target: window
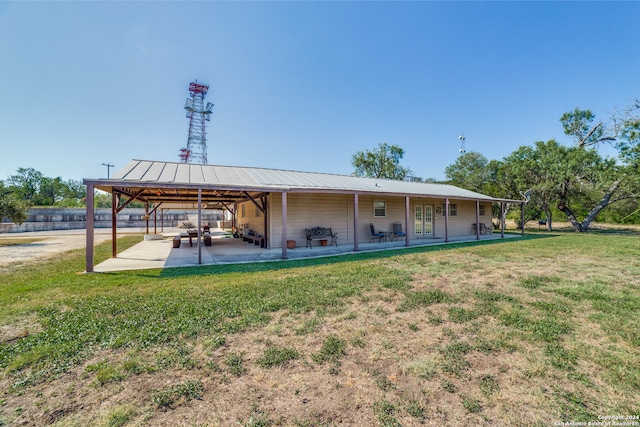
[(481, 210), (243, 210), (379, 208), (453, 209)]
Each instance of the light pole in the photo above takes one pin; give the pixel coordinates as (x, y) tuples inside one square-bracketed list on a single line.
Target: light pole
[(109, 166)]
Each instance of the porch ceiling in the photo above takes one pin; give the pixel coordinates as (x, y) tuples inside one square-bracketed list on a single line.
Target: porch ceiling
[(179, 196)]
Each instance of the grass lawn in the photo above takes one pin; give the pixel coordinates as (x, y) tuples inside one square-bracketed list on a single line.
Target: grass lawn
[(530, 331)]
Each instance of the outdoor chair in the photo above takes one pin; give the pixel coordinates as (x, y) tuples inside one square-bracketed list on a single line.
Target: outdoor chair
[(376, 235), (397, 231)]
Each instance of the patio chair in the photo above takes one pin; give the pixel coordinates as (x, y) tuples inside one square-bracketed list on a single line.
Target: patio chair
[(397, 231), (376, 235)]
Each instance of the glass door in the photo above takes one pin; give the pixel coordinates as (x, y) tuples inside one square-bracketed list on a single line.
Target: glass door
[(428, 220), (423, 221), (418, 229)]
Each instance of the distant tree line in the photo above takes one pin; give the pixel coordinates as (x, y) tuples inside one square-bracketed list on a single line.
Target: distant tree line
[(575, 183), (29, 187)]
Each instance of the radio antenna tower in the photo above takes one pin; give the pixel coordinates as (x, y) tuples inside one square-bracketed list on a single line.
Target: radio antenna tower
[(198, 114)]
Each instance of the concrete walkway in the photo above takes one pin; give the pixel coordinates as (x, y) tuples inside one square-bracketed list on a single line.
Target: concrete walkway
[(151, 254)]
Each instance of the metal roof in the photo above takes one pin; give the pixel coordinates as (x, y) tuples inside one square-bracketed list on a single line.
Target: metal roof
[(235, 179)]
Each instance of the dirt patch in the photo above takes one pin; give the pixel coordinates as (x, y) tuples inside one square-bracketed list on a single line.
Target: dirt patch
[(48, 244)]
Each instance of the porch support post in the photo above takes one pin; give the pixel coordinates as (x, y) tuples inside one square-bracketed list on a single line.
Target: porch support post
[(477, 219), (89, 230), (406, 220), (502, 219), (146, 215), (114, 224), (155, 221), (234, 219), (267, 235), (522, 216), (446, 220), (355, 222), (284, 225), (199, 225)]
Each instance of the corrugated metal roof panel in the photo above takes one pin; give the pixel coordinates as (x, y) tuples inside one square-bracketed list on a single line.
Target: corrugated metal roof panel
[(183, 174), (154, 172), (283, 180), (196, 175), (121, 173), (230, 175), (209, 174), (168, 173)]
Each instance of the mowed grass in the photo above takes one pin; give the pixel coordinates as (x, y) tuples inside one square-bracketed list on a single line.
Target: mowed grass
[(519, 332)]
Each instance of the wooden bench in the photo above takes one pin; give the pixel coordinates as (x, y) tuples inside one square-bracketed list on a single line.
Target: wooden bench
[(321, 233)]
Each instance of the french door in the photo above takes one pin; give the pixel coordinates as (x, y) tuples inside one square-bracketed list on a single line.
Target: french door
[(423, 221)]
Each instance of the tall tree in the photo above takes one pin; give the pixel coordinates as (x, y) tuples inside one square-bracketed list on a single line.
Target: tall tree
[(25, 184), (381, 162), (628, 123), (613, 183), (579, 125), (470, 171)]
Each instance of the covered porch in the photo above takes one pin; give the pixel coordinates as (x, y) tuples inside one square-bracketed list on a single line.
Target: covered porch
[(160, 254), (283, 204)]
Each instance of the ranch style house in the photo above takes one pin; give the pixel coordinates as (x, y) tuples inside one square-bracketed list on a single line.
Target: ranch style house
[(276, 207)]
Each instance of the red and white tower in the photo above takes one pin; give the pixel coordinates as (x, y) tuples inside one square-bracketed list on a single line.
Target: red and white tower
[(198, 114)]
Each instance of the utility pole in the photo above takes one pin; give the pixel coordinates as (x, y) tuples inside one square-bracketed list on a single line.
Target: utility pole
[(109, 166)]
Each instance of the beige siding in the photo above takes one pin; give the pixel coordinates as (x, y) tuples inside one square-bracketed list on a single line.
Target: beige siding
[(336, 211), (394, 213), (252, 218), (311, 210)]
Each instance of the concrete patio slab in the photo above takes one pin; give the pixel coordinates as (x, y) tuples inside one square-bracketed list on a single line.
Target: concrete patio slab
[(151, 254)]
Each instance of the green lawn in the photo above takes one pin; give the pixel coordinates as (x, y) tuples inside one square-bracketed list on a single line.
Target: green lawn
[(520, 332)]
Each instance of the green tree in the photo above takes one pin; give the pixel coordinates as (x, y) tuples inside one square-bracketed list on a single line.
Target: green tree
[(579, 125), (13, 208), (611, 183), (25, 184), (471, 171), (38, 190), (628, 123), (49, 191), (382, 162)]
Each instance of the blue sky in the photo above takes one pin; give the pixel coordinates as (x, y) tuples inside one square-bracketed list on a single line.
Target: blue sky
[(303, 85)]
